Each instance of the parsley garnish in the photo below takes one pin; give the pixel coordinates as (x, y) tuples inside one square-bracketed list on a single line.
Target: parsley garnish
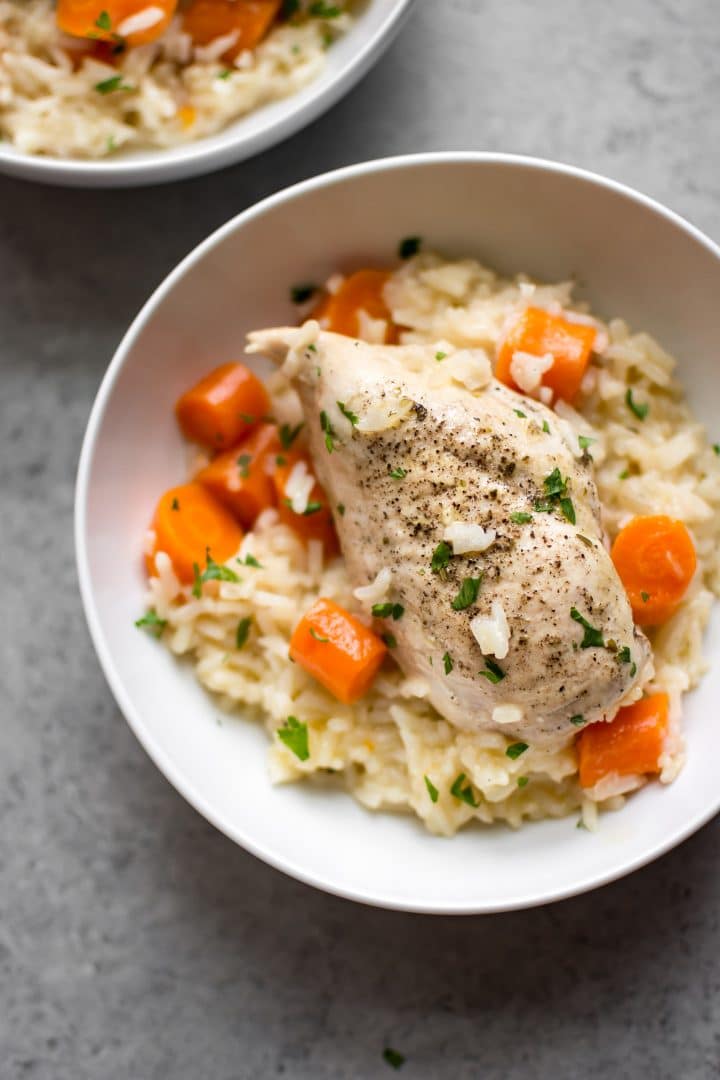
[(341, 509), (390, 640), (295, 736), (522, 781), (288, 435), (397, 473), (464, 794), (244, 462), (243, 629), (492, 672), (516, 749), (115, 82), (556, 496), (554, 484), (637, 408), (584, 441), (151, 621), (592, 638), (225, 74), (644, 596), (546, 427), (448, 663), (467, 594), (329, 432), (347, 413), (439, 355), (584, 540), (175, 504), (393, 1057), (250, 560), (103, 21), (624, 655), (318, 637), (299, 294), (521, 518), (321, 10), (566, 505), (409, 247), (578, 720), (212, 572), (520, 413), (384, 611), (441, 557), (716, 448), (311, 508), (624, 474), (431, 789)]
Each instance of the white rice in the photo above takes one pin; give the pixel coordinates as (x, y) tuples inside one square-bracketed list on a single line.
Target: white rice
[(173, 93), (383, 747)]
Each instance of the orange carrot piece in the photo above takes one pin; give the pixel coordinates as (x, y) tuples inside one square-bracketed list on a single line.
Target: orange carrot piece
[(105, 20), (655, 559), (337, 650), (630, 744), (206, 20), (239, 478), (316, 525), (361, 291), (188, 522), (538, 332), (223, 407)]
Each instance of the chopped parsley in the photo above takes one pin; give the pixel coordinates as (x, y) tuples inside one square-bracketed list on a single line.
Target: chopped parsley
[(390, 640), (431, 789), (175, 504), (546, 427), (103, 21), (578, 720), (639, 409), (329, 432), (250, 560), (464, 794), (467, 594), (516, 749), (108, 86), (397, 473), (295, 736), (311, 508), (566, 505), (522, 781), (225, 74), (520, 413), (384, 611), (441, 557), (448, 663), (244, 462), (409, 247), (288, 434), (212, 572), (151, 621), (243, 629), (592, 638), (341, 509), (584, 441), (555, 485), (318, 637), (716, 448), (493, 673), (556, 496), (440, 355), (624, 655), (393, 1057), (624, 474), (300, 294), (321, 10), (521, 518), (644, 596), (584, 540), (347, 413), (247, 417)]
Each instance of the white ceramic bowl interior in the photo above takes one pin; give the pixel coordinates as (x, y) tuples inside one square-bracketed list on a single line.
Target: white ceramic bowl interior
[(631, 257), (350, 57)]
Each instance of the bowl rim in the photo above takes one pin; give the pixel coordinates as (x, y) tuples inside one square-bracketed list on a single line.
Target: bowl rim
[(164, 165), (155, 751)]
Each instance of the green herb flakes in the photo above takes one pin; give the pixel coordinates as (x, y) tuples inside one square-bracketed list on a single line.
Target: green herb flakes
[(546, 427), (522, 781), (321, 10), (566, 505), (468, 593), (242, 632), (288, 434), (441, 557), (644, 596), (250, 560), (393, 1057), (175, 504), (341, 509), (440, 355), (584, 540), (639, 409), (521, 518), (578, 720), (448, 663), (716, 448), (109, 86), (103, 21), (584, 441), (385, 611), (493, 673), (329, 432), (409, 247), (520, 413), (592, 638), (244, 462), (295, 736), (398, 473), (225, 73), (390, 640), (300, 294), (555, 485), (318, 637), (212, 572), (464, 794), (347, 413), (152, 622), (431, 789), (516, 749)]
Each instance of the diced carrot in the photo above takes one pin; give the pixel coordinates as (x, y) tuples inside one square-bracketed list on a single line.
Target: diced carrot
[(655, 558), (630, 744), (107, 20), (223, 407), (188, 523), (206, 20), (337, 650), (240, 479), (538, 332), (361, 291), (317, 521)]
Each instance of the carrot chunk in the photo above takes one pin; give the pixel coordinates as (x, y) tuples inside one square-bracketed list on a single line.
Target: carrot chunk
[(250, 20), (188, 523), (655, 558), (337, 650), (239, 478), (538, 333), (223, 407), (630, 744), (361, 291), (120, 21), (316, 523)]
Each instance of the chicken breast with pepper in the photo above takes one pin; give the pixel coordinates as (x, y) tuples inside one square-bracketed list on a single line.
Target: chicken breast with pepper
[(478, 519)]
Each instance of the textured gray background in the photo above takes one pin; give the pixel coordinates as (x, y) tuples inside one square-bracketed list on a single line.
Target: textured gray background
[(135, 941)]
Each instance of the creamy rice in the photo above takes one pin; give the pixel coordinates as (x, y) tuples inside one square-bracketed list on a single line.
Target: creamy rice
[(177, 93), (384, 746)]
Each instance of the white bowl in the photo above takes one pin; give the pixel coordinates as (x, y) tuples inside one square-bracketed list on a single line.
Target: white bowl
[(632, 257), (350, 57)]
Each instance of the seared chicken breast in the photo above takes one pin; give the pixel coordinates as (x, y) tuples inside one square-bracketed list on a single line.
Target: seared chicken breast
[(475, 512)]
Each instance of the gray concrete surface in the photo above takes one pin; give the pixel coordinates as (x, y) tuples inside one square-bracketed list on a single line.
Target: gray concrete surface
[(135, 941)]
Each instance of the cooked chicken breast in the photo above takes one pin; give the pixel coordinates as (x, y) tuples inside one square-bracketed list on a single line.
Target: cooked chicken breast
[(482, 506)]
